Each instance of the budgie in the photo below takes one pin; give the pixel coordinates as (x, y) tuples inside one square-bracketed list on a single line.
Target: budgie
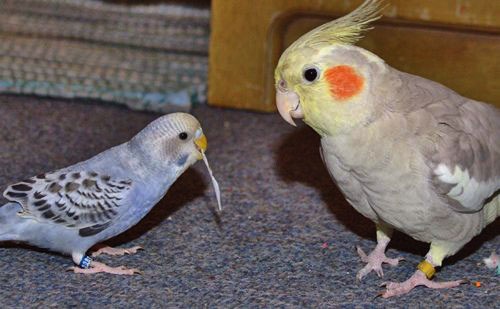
[(72, 209), (406, 152)]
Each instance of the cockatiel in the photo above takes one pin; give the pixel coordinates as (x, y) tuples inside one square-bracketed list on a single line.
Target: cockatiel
[(74, 208), (407, 153)]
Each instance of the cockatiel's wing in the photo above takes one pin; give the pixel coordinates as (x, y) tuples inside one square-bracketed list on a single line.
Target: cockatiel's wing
[(467, 154), (461, 144), (81, 200)]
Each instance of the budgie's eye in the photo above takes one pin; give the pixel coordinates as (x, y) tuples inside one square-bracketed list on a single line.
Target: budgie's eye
[(183, 135), (311, 74)]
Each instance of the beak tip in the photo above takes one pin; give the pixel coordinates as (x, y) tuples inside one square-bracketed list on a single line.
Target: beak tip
[(201, 142), (288, 106), (287, 117)]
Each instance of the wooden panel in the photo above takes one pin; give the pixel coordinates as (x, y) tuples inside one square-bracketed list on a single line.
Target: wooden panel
[(248, 36)]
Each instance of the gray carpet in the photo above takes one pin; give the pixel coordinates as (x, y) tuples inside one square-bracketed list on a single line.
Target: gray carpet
[(265, 250)]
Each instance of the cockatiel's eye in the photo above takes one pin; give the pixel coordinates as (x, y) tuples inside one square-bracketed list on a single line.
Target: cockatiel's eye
[(311, 74)]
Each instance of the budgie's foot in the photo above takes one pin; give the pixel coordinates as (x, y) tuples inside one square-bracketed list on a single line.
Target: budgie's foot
[(418, 278), (97, 267), (116, 251), (374, 261)]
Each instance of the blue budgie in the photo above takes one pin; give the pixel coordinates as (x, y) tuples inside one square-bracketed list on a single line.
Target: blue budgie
[(72, 209)]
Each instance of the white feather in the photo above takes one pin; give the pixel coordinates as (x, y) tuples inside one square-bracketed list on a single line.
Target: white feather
[(467, 191)]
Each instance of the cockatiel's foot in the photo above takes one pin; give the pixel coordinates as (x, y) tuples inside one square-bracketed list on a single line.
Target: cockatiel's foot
[(97, 267), (116, 251), (374, 262), (418, 278)]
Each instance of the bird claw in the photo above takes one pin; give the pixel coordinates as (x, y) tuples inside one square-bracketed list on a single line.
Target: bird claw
[(136, 248), (394, 261), (418, 278), (97, 267), (131, 271), (374, 262), (362, 254), (116, 251)]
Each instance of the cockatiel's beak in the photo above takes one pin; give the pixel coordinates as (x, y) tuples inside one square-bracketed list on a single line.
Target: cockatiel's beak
[(201, 143), (288, 104)]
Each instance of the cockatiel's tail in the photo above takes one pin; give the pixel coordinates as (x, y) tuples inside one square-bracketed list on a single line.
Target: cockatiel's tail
[(407, 153)]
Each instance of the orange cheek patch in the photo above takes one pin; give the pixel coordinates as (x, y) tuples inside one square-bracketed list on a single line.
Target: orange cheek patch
[(343, 81)]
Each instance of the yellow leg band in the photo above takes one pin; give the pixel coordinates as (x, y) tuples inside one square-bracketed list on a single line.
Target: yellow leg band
[(427, 269)]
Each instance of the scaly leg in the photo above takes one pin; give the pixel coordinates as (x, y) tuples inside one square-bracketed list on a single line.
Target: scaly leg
[(115, 251), (377, 256), (87, 266), (97, 267), (422, 276)]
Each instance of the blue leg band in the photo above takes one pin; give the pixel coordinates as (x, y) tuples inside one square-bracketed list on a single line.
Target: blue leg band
[(85, 262)]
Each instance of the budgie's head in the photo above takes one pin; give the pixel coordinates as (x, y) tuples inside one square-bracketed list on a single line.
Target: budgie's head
[(324, 79), (171, 143)]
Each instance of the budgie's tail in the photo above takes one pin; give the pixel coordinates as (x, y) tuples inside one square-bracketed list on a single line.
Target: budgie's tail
[(9, 220), (492, 209)]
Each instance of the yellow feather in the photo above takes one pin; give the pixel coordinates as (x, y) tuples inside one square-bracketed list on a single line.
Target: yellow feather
[(492, 210), (323, 116), (345, 30)]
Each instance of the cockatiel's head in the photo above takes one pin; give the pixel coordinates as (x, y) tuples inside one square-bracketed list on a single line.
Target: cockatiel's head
[(327, 81)]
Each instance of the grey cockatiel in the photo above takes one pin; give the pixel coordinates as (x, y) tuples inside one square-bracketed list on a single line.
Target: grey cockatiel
[(72, 209), (408, 153)]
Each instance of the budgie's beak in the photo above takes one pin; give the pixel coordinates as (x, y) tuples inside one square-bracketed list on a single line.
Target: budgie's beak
[(288, 104), (200, 142)]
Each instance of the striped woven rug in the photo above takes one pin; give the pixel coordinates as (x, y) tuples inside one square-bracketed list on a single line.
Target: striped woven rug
[(149, 57)]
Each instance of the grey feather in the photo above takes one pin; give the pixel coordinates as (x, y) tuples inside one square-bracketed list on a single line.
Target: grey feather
[(388, 174), (408, 153), (450, 130), (388, 166)]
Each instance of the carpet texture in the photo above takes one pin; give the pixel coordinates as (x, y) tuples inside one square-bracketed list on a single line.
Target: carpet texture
[(286, 237), (149, 57)]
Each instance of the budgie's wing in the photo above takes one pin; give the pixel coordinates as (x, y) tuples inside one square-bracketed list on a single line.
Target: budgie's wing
[(465, 157), (81, 200)]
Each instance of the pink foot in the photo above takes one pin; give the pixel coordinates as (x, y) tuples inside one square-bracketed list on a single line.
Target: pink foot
[(374, 261), (96, 267), (116, 251), (418, 278)]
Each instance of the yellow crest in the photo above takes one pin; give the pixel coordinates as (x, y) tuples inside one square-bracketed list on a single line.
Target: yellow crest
[(345, 30)]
